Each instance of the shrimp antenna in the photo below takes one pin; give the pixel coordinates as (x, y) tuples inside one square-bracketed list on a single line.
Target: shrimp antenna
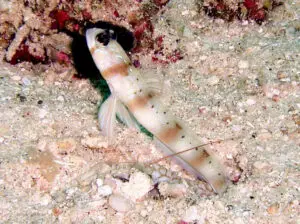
[(186, 150)]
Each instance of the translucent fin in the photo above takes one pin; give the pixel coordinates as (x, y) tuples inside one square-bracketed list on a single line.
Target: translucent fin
[(125, 116), (107, 116)]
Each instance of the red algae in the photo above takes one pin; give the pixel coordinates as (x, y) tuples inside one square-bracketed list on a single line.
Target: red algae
[(60, 18), (63, 58), (23, 54), (247, 10), (250, 4)]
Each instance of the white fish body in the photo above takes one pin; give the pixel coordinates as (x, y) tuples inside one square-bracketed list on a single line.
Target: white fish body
[(128, 88)]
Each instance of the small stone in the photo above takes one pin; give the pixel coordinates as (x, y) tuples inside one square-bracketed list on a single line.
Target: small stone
[(45, 200), (119, 203), (191, 215), (144, 213), (236, 128), (42, 113), (250, 102), (243, 64), (203, 58), (104, 190), (213, 80), (261, 166), (155, 175), (16, 78), (172, 190), (71, 191), (138, 186), (99, 182), (282, 76), (273, 209), (163, 179), (26, 81), (61, 98), (220, 206)]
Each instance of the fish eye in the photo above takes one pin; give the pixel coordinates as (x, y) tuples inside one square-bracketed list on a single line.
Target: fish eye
[(112, 34), (103, 37)]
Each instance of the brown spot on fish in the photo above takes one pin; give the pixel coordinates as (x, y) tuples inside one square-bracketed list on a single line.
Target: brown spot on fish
[(92, 50), (139, 102), (169, 134), (199, 159), (117, 69), (219, 184)]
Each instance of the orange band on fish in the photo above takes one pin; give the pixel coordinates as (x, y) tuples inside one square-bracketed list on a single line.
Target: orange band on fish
[(139, 102), (92, 50), (199, 159), (117, 69), (168, 135)]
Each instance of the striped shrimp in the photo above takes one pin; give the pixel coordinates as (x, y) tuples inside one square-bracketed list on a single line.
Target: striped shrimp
[(133, 101)]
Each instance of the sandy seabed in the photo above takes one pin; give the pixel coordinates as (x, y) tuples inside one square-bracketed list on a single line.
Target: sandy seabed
[(237, 81)]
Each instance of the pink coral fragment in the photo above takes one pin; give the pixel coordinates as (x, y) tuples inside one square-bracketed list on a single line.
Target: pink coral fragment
[(63, 58)]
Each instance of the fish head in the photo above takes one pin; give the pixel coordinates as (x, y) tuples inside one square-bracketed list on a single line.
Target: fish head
[(104, 48)]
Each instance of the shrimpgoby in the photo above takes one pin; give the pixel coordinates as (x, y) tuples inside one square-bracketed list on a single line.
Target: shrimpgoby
[(131, 97)]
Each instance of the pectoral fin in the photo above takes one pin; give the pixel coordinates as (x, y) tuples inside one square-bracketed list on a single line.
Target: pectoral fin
[(107, 116), (111, 108), (125, 116)]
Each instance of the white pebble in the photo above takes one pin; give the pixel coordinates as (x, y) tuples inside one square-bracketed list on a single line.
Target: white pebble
[(104, 190), (138, 186), (155, 175), (99, 182), (26, 81), (163, 179), (42, 113), (119, 203), (172, 190), (144, 213), (250, 102), (191, 215), (213, 80), (71, 191), (16, 78), (243, 64), (203, 58), (236, 128), (45, 200), (61, 98), (185, 12)]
